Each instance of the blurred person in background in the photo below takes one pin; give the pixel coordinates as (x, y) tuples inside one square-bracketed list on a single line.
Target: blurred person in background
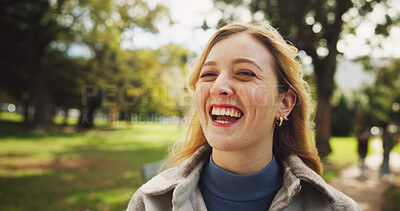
[(250, 143), (388, 142), (362, 140)]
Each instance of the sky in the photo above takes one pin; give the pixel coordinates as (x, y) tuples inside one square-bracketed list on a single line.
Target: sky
[(188, 17)]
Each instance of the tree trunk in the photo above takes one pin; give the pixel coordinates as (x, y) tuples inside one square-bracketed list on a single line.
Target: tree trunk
[(86, 118), (113, 114), (41, 119), (324, 71), (65, 122), (26, 104), (322, 121)]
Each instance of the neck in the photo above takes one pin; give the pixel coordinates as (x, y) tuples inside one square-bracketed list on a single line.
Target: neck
[(244, 162)]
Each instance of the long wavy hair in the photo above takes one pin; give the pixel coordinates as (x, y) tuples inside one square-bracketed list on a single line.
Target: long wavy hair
[(294, 137)]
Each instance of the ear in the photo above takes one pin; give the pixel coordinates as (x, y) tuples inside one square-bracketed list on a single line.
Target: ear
[(288, 102)]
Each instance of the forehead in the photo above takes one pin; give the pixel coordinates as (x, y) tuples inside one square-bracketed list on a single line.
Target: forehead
[(241, 45)]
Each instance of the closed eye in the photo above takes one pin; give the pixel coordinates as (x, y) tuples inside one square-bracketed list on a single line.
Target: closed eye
[(246, 73), (208, 74)]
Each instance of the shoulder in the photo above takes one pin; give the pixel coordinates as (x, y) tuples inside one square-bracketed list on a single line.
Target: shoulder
[(159, 190), (170, 178), (163, 182), (156, 194), (308, 190), (136, 203)]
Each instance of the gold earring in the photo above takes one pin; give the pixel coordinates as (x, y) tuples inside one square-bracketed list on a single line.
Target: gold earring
[(279, 122), (285, 117)]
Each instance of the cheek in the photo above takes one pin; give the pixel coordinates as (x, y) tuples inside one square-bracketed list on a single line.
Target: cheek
[(201, 94), (258, 96), (265, 96)]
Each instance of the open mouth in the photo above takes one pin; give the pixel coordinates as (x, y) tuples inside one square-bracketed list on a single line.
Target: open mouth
[(225, 114)]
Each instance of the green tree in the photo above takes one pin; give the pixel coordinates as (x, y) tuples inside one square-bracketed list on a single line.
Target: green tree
[(147, 89), (315, 27), (383, 95), (27, 31), (101, 26), (66, 75), (38, 38), (342, 122)]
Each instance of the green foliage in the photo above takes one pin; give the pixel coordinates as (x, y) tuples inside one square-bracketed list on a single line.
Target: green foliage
[(27, 31), (146, 77), (101, 26), (342, 122), (65, 78), (375, 105), (43, 34), (350, 112), (383, 94), (311, 24)]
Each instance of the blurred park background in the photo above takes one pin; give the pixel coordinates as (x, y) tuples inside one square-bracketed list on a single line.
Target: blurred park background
[(92, 90)]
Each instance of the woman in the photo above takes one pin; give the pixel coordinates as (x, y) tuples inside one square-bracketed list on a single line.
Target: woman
[(249, 144)]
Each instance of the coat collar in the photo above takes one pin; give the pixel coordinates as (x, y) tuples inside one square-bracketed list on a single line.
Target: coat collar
[(301, 171), (295, 173), (184, 179)]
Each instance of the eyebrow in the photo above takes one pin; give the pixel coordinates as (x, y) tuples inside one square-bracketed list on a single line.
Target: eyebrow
[(210, 63), (244, 60), (235, 61)]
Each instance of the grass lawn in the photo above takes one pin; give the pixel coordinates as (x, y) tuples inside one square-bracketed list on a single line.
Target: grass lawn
[(344, 153), (17, 117), (92, 170), (11, 116), (396, 148)]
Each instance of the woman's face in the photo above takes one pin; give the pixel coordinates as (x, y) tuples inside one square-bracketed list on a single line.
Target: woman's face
[(236, 96)]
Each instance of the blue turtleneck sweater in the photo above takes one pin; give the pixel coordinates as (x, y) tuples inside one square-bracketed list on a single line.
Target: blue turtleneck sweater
[(223, 190)]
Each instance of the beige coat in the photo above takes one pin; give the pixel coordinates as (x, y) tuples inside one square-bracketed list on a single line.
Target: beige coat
[(176, 189)]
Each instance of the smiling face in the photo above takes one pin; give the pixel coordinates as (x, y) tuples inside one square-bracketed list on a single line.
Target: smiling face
[(237, 95)]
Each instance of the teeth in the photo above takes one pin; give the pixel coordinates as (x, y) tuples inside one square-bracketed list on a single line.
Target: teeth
[(222, 122), (226, 111), (216, 111)]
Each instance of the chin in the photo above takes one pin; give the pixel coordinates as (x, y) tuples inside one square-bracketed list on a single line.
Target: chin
[(224, 143)]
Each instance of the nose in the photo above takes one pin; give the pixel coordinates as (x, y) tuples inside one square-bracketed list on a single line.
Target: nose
[(221, 87)]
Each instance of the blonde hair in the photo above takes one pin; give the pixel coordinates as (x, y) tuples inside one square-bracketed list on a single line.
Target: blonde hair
[(294, 137)]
